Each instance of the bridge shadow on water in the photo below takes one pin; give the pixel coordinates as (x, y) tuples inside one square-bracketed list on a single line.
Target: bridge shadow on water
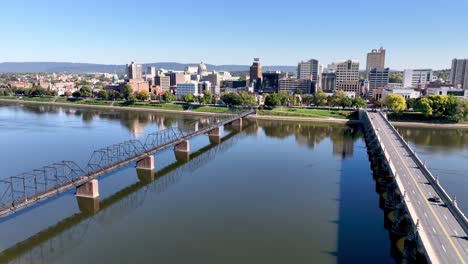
[(46, 245), (362, 237)]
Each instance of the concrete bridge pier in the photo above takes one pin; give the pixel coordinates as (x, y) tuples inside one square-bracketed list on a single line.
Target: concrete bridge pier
[(88, 190), (145, 169), (237, 124), (215, 136), (87, 196), (182, 151)]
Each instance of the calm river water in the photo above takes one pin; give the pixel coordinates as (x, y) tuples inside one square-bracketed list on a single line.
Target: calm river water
[(276, 192)]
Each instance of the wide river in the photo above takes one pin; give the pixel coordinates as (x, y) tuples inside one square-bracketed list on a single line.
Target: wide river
[(276, 192)]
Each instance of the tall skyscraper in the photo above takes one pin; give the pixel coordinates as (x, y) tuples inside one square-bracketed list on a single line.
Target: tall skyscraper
[(459, 73), (375, 59), (134, 71), (378, 78), (308, 70), (256, 74)]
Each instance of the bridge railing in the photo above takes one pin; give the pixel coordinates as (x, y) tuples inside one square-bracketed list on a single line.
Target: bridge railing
[(408, 207), (449, 202), (26, 188)]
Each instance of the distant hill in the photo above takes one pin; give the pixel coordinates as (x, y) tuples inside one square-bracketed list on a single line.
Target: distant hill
[(57, 67)]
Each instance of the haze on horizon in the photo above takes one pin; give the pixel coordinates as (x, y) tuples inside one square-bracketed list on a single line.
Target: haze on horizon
[(416, 34)]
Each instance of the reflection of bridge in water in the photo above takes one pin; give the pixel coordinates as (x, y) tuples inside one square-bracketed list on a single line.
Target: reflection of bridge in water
[(26, 189), (45, 246)]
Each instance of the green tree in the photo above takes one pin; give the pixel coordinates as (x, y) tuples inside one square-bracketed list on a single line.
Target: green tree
[(359, 102), (395, 102), (272, 100), (338, 98), (247, 99), (38, 91), (142, 95), (307, 99), (346, 102), (76, 94), (439, 104), (395, 78), (461, 111), (230, 98), (115, 95), (85, 91), (320, 98), (284, 97), (207, 97), (127, 91), (103, 95), (168, 96), (189, 98), (410, 103), (424, 106)]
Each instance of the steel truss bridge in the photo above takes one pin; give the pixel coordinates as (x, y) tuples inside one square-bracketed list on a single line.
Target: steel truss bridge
[(46, 246), (28, 188)]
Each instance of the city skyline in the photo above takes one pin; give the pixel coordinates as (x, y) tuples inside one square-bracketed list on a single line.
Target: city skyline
[(89, 32)]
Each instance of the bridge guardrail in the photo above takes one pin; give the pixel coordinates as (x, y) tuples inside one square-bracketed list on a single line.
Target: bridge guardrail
[(451, 204), (400, 186)]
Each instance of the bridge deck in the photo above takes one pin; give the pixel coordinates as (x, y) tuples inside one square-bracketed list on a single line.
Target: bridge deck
[(22, 191), (441, 230)]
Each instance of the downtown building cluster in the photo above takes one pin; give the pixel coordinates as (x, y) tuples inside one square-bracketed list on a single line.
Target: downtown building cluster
[(310, 77)]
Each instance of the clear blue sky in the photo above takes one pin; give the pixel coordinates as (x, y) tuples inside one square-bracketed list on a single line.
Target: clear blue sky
[(415, 33)]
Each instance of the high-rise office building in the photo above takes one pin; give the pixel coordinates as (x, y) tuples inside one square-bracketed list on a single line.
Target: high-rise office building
[(270, 81), (308, 70), (347, 76), (417, 79), (378, 78), (375, 59), (134, 71), (256, 74), (151, 70), (164, 82), (459, 73)]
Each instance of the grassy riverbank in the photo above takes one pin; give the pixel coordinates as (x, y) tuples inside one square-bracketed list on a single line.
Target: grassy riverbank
[(310, 113)]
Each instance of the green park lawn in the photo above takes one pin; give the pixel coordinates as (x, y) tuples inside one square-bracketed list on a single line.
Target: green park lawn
[(309, 113)]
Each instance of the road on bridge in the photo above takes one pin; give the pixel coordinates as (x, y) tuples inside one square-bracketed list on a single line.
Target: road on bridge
[(443, 237)]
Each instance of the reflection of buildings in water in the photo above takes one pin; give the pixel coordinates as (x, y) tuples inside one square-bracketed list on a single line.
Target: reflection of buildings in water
[(343, 148)]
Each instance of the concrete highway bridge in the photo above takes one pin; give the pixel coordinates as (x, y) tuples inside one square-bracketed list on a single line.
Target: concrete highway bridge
[(438, 227), (26, 189)]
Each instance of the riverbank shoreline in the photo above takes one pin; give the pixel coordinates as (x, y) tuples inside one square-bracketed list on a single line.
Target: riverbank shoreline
[(110, 107), (428, 125), (252, 117)]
